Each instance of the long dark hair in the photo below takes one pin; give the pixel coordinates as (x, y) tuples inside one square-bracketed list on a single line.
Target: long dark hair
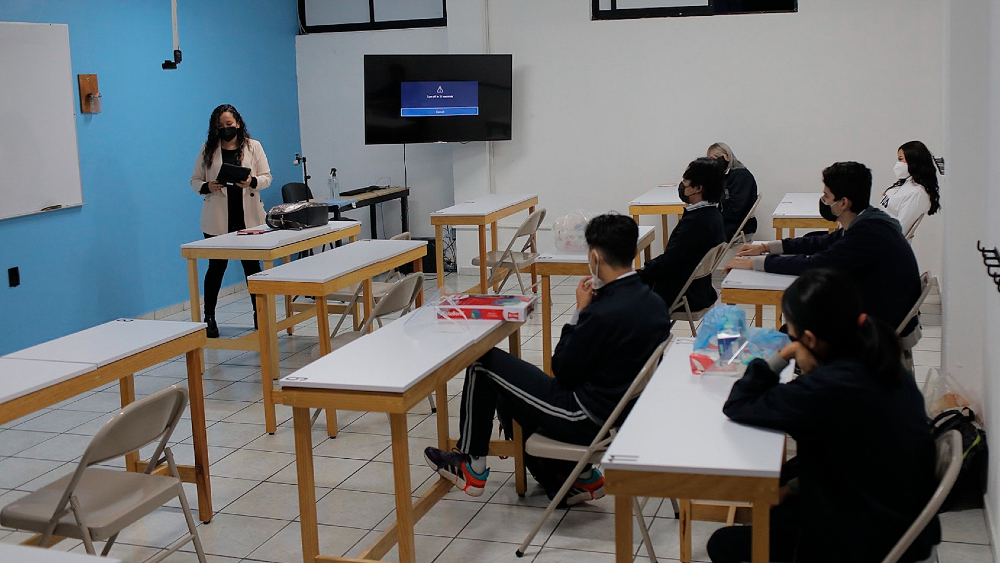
[(827, 303), (213, 133), (923, 170)]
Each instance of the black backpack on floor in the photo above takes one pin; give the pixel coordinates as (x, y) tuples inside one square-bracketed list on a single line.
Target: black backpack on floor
[(971, 484)]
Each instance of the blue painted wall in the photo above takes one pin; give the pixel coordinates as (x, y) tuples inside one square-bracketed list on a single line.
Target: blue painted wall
[(119, 256)]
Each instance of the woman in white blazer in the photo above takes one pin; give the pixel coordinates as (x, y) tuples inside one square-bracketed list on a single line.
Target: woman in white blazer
[(228, 209), (916, 190)]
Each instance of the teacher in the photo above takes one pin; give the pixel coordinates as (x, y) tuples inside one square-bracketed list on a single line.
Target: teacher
[(228, 208)]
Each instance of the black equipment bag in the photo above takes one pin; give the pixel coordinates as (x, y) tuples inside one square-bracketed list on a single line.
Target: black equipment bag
[(299, 215), (971, 484)]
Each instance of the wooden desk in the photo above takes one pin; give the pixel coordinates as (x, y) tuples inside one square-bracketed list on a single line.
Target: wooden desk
[(758, 289), (369, 199), (555, 264), (799, 211), (362, 376), (43, 375), (318, 276), (482, 211), (714, 459), (20, 553), (662, 201), (268, 247)]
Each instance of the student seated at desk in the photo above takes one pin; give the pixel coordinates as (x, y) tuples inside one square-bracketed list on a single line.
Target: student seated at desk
[(700, 228), (617, 324), (740, 192), (866, 458), (869, 247), (916, 192)]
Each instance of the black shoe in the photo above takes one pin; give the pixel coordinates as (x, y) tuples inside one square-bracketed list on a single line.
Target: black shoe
[(212, 330)]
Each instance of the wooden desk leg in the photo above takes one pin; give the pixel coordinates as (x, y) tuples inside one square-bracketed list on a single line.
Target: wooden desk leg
[(288, 302), (126, 387), (495, 236), (323, 322), (666, 229), (547, 324), (443, 430), (369, 300), (758, 315), (482, 260), (791, 232), (778, 232), (439, 254), (307, 484), (268, 357), (401, 474), (199, 435), (193, 283), (761, 532), (623, 529), (418, 266), (777, 316), (684, 533), (534, 248), (648, 253), (520, 477)]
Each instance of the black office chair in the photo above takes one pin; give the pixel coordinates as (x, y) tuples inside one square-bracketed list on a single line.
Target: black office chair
[(295, 191)]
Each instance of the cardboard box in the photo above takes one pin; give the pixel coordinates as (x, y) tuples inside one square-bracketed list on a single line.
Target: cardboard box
[(515, 308)]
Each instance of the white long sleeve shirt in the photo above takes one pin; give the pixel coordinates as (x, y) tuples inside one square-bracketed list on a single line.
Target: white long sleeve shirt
[(906, 203)]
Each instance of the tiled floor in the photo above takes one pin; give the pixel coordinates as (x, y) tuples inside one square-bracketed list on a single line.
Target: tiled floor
[(253, 474)]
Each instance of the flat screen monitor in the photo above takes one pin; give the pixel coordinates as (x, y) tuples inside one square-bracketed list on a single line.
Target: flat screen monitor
[(437, 98)]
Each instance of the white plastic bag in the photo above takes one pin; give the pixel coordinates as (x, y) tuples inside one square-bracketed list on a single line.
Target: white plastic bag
[(569, 231)]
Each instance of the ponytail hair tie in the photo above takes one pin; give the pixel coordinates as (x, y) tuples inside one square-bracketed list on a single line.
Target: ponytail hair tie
[(861, 319)]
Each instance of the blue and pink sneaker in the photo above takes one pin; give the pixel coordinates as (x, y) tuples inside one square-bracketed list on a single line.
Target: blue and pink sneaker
[(454, 466)]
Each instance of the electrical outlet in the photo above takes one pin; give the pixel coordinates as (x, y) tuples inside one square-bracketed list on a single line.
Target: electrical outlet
[(13, 277)]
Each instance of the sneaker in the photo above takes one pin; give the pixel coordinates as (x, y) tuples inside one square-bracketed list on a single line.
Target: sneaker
[(586, 489), (454, 466)]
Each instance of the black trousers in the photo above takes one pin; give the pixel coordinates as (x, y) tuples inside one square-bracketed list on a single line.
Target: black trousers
[(512, 389), (213, 280)]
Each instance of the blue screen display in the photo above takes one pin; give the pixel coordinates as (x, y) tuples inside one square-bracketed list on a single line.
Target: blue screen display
[(425, 99)]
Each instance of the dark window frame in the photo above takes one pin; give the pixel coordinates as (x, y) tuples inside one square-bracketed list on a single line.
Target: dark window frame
[(372, 25), (616, 13)]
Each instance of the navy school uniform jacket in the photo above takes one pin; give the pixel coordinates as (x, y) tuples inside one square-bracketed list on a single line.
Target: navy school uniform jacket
[(598, 357), (741, 193), (873, 252), (698, 230), (865, 454)]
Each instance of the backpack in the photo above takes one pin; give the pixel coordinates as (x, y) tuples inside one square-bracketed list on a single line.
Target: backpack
[(971, 484), (297, 216)]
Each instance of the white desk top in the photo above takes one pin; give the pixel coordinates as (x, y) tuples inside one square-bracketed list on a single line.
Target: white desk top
[(646, 235), (799, 206), (325, 266), (484, 205), (660, 195), (677, 426), (109, 342), (416, 349), (752, 279), (270, 240), (23, 553), (20, 377)]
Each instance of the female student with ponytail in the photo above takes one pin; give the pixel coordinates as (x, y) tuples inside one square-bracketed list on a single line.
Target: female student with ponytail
[(916, 190), (865, 463)]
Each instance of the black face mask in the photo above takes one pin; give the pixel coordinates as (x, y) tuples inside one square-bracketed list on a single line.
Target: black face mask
[(227, 133), (826, 212), (680, 193)]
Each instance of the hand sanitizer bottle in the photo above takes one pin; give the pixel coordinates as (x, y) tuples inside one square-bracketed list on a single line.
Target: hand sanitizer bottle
[(334, 184)]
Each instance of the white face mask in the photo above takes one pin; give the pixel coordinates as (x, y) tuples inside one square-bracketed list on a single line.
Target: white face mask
[(596, 282), (901, 170)]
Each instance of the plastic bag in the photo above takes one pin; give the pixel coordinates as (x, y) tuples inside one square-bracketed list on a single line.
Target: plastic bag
[(569, 230), (725, 344)]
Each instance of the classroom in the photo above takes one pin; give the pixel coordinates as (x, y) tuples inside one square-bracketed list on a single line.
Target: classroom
[(607, 103)]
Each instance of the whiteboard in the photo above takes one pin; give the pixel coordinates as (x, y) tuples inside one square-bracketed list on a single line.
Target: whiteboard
[(39, 157)]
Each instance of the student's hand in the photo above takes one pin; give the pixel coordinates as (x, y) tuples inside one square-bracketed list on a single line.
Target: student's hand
[(802, 356), (751, 250), (738, 263), (245, 183), (214, 186), (584, 293)]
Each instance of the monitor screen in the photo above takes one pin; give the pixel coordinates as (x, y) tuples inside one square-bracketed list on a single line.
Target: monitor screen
[(429, 99)]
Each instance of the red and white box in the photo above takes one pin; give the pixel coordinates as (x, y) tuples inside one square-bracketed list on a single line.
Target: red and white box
[(514, 308)]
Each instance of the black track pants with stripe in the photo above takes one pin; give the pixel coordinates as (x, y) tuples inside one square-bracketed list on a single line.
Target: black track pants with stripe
[(502, 384)]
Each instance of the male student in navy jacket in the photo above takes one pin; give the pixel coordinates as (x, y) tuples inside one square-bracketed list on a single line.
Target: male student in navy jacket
[(700, 229), (869, 247), (617, 324)]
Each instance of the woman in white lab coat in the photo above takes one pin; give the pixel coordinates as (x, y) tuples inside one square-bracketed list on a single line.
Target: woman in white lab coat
[(916, 190)]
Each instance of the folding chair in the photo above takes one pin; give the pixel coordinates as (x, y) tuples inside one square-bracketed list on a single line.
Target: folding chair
[(738, 236), (514, 261), (680, 309), (351, 295), (949, 463), (542, 446), (910, 340), (913, 229), (95, 504)]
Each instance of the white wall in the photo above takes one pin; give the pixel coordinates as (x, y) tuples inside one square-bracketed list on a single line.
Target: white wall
[(330, 70)]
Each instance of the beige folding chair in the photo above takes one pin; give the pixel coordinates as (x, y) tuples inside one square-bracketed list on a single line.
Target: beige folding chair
[(95, 504), (680, 309), (511, 261), (910, 340), (543, 446), (913, 229), (351, 295), (949, 463), (738, 236)]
